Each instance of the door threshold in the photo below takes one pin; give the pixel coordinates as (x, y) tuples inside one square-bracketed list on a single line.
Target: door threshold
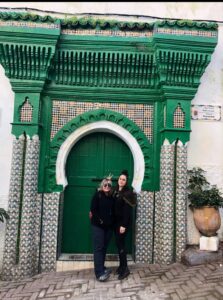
[(88, 257), (62, 265), (75, 262)]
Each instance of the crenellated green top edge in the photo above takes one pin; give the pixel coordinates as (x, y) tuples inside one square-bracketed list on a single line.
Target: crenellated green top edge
[(188, 24), (6, 16), (93, 23)]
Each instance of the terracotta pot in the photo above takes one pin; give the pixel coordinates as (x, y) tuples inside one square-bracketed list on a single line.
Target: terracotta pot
[(207, 220)]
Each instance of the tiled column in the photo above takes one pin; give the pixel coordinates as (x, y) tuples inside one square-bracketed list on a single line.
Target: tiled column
[(9, 257), (164, 208), (144, 227), (28, 244), (49, 232), (157, 227), (181, 200)]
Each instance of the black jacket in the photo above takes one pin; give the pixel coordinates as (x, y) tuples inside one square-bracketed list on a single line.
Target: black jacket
[(102, 208), (124, 201)]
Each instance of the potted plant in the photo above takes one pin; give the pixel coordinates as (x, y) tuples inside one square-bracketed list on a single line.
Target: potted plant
[(205, 200), (3, 215)]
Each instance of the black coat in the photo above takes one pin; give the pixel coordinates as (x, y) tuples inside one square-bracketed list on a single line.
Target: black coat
[(124, 201), (102, 208)]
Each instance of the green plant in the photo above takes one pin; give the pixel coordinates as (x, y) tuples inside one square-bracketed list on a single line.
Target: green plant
[(3, 215), (201, 192)]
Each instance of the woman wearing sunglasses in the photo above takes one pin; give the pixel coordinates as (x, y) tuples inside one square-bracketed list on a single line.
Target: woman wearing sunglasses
[(125, 199), (101, 215)]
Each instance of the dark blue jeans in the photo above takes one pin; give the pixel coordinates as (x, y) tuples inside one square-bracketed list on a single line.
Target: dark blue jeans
[(101, 239)]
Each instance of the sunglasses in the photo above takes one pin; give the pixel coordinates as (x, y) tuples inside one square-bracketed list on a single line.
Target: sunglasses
[(107, 185)]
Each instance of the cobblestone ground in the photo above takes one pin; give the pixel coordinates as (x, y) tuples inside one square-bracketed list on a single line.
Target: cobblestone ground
[(146, 282)]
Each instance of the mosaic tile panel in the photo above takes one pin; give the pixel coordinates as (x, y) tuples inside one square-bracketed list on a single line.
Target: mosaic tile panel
[(157, 227), (9, 256), (28, 246), (38, 233), (26, 112), (164, 208), (144, 227), (186, 32), (49, 232), (179, 118), (181, 200), (60, 222), (28, 24), (107, 32), (64, 111)]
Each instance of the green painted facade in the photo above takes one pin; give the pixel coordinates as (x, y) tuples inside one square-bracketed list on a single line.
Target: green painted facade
[(48, 59)]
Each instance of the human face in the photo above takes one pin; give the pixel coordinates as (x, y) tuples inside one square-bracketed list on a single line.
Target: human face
[(122, 181), (107, 186)]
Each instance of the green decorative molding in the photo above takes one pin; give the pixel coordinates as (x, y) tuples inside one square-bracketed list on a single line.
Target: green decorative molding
[(26, 50), (93, 23), (26, 62), (89, 22), (25, 17), (20, 126), (181, 68), (91, 117), (187, 24), (93, 59), (105, 69)]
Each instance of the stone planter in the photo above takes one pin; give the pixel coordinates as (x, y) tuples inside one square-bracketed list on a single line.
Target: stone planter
[(207, 220)]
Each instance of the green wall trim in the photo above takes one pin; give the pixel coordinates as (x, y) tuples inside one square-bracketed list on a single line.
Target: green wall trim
[(104, 94), (16, 16), (90, 59), (44, 133), (89, 22), (187, 24), (19, 126), (95, 116)]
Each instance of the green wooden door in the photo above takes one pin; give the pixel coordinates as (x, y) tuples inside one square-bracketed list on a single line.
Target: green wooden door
[(93, 157)]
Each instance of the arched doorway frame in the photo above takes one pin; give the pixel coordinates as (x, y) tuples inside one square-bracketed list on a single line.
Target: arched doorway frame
[(102, 126), (115, 123)]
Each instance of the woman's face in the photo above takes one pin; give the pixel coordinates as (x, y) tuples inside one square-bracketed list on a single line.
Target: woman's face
[(107, 186), (122, 181)]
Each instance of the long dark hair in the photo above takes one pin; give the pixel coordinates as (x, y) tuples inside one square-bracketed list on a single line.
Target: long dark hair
[(126, 187)]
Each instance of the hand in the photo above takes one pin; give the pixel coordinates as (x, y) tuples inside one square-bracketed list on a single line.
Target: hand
[(122, 229), (90, 214)]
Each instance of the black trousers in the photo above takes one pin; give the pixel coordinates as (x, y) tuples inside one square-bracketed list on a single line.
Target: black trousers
[(120, 243), (101, 239)]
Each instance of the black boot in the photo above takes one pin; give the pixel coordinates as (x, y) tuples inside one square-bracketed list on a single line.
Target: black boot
[(124, 273), (118, 270)]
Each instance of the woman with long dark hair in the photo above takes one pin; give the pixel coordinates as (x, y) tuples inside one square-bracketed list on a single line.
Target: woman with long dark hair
[(125, 199)]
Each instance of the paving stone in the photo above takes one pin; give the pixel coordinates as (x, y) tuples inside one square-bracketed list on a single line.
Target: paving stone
[(146, 282)]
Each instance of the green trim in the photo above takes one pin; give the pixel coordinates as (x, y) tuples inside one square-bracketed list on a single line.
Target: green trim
[(162, 68), (95, 116), (25, 17), (89, 22), (167, 130), (26, 124), (187, 24), (109, 94), (30, 128), (158, 121), (44, 133)]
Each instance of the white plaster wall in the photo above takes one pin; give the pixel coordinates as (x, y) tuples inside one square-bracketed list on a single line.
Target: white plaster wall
[(6, 115), (206, 144), (182, 10)]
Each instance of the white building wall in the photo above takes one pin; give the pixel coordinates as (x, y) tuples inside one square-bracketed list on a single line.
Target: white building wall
[(206, 142), (6, 117)]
